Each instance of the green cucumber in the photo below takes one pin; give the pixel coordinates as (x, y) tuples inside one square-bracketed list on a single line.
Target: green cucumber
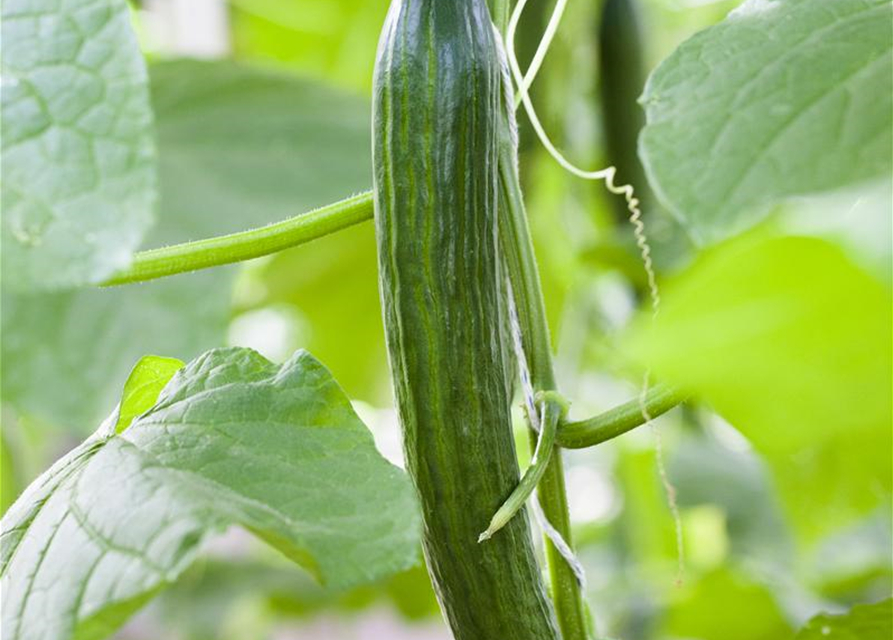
[(437, 91), (622, 78)]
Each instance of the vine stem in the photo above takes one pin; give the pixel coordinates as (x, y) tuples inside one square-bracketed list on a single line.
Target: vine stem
[(517, 249), (245, 245), (520, 261), (580, 434)]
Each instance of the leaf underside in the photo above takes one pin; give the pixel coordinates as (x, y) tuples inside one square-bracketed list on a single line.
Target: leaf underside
[(783, 98), (232, 440), (78, 151)]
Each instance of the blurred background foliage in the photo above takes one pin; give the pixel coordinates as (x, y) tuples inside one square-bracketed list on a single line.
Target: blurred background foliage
[(262, 111)]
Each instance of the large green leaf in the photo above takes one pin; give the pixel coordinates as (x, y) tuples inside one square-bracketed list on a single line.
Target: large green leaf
[(782, 98), (78, 154), (862, 622), (231, 440), (790, 342), (238, 148), (784, 336)]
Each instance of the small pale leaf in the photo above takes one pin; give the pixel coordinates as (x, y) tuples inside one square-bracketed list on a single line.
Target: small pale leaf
[(143, 385)]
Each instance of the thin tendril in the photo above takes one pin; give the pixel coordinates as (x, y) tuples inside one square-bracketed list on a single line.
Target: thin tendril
[(608, 174), (669, 487), (542, 49)]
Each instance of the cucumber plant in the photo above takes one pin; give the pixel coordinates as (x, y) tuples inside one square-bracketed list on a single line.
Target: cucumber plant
[(757, 115)]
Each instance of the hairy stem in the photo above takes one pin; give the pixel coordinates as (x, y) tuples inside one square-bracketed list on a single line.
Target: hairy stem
[(517, 248), (519, 257), (580, 434), (244, 245)]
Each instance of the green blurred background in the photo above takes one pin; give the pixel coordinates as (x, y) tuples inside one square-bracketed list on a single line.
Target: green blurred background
[(262, 111)]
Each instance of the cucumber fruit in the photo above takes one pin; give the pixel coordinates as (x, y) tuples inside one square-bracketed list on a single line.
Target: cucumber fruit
[(436, 101)]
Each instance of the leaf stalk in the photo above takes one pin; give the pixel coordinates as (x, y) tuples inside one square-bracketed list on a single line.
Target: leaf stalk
[(245, 245)]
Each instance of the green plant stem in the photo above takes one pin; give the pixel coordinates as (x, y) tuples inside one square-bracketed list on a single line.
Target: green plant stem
[(254, 243), (520, 261), (580, 434)]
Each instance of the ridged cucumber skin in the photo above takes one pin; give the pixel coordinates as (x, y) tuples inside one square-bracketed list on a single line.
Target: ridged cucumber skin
[(436, 97)]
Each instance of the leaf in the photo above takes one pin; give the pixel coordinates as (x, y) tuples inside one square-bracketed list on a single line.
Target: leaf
[(783, 98), (790, 342), (334, 39), (145, 382), (238, 148), (242, 146), (232, 440), (834, 481), (786, 337), (862, 622), (9, 486), (78, 152), (64, 354), (857, 219)]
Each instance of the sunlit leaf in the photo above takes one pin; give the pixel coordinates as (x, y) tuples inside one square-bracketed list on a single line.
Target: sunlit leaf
[(862, 622), (332, 39), (725, 605), (145, 382), (790, 342), (786, 337)]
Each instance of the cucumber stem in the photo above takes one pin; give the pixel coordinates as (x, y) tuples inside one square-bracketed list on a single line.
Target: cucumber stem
[(517, 249), (245, 245), (580, 434)]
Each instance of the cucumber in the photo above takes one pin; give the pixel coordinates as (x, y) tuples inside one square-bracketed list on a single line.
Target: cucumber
[(437, 90), (621, 72)]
